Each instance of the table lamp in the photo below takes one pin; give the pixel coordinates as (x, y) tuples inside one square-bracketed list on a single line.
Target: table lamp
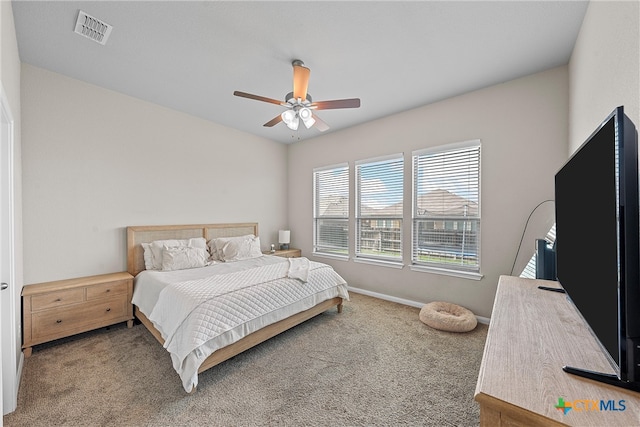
[(284, 237)]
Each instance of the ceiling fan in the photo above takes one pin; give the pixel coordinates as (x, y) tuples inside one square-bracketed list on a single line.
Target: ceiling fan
[(300, 106)]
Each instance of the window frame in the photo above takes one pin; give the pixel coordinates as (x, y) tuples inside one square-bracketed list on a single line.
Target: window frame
[(359, 217), (341, 252), (440, 266)]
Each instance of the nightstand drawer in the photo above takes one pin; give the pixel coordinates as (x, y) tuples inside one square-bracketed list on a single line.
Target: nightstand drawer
[(286, 253), (291, 254), (107, 289), (60, 322), (56, 299)]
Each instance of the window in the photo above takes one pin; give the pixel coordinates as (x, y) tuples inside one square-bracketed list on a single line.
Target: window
[(530, 271), (446, 207), (379, 193), (331, 210)]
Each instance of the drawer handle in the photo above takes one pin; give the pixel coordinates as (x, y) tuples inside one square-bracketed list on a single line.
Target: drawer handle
[(108, 290), (58, 300), (108, 309), (58, 321)]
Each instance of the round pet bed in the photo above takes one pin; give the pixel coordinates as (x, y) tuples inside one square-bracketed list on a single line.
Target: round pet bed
[(446, 316)]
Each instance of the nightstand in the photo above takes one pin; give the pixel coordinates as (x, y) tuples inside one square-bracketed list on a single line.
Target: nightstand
[(285, 253), (54, 310)]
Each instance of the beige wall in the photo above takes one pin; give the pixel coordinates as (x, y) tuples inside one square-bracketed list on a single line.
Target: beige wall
[(96, 161), (605, 67), (523, 128)]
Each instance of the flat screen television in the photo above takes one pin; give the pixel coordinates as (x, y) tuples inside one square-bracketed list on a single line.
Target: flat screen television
[(597, 244)]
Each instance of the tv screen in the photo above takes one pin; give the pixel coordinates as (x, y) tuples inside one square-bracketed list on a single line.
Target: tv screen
[(597, 264)]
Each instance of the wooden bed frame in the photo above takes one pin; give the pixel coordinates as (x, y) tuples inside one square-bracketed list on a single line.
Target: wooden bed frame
[(135, 264)]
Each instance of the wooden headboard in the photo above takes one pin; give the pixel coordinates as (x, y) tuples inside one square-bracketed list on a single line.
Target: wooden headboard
[(148, 233)]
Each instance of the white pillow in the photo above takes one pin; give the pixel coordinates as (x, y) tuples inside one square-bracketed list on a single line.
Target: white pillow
[(213, 251), (237, 250), (156, 248), (148, 256), (216, 245), (181, 257)]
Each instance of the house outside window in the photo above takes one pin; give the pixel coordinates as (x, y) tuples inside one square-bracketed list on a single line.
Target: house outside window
[(446, 207), (379, 208), (331, 210)]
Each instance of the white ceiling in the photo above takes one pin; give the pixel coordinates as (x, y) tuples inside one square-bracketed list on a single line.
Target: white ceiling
[(190, 56)]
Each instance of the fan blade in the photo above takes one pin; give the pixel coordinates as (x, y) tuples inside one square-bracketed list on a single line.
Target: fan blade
[(258, 98), (273, 121), (320, 124), (300, 81), (337, 103)]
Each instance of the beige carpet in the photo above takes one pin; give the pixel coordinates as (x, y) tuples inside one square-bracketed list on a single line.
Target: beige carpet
[(374, 364)]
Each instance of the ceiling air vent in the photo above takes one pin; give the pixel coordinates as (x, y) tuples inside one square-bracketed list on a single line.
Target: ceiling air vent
[(92, 28)]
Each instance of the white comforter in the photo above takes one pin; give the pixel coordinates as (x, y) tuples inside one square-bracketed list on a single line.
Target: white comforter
[(200, 311)]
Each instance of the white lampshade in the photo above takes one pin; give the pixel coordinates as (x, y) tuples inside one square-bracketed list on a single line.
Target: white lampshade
[(290, 118), (307, 117), (284, 236)]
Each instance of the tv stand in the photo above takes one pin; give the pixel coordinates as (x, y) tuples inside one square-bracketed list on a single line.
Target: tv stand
[(532, 335)]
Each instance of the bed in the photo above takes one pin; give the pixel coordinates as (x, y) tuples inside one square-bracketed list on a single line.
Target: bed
[(206, 314)]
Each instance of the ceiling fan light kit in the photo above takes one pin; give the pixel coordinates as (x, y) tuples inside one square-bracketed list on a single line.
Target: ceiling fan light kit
[(292, 117), (299, 103)]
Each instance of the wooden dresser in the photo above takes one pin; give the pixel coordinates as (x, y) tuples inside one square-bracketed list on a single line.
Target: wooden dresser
[(54, 310), (532, 334)]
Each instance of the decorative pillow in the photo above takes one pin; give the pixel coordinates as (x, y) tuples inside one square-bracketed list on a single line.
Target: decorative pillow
[(148, 257), (157, 247), (182, 257), (216, 245), (213, 251), (237, 250)]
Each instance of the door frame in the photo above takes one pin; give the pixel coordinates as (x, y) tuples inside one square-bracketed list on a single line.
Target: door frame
[(9, 345)]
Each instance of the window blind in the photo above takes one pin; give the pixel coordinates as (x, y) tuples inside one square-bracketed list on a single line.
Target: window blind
[(379, 208), (331, 210), (446, 207)]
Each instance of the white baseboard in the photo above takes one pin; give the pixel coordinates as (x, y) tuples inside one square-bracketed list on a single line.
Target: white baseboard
[(481, 319)]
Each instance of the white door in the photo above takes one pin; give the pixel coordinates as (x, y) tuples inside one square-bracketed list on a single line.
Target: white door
[(8, 295)]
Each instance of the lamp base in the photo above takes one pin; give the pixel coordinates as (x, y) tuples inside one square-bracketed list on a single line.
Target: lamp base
[(284, 246)]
